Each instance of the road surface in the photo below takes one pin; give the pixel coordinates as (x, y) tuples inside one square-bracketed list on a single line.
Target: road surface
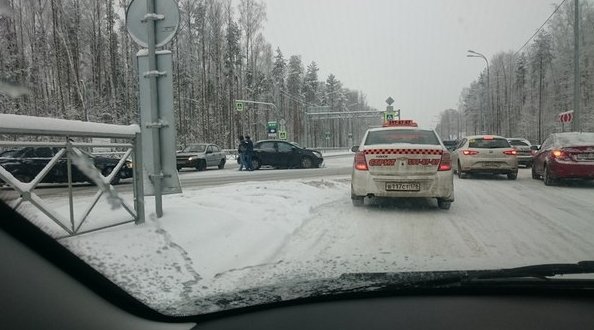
[(251, 233)]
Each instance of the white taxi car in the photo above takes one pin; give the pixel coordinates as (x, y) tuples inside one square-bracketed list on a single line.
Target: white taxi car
[(402, 160)]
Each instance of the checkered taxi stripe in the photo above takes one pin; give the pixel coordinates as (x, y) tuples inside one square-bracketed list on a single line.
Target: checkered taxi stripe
[(404, 151)]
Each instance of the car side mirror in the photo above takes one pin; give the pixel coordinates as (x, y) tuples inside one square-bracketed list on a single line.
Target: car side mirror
[(355, 148)]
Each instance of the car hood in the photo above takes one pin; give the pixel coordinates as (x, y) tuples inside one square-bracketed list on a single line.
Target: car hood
[(189, 154)]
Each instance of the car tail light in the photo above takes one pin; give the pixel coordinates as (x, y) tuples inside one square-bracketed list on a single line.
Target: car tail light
[(512, 152), (446, 162), (560, 154), (469, 152), (360, 161)]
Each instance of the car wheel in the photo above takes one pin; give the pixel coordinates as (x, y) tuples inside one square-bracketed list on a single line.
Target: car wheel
[(461, 174), (107, 171), (535, 175), (24, 178), (546, 177), (358, 201), (512, 176), (443, 204), (306, 162), (201, 166), (256, 164), (222, 164)]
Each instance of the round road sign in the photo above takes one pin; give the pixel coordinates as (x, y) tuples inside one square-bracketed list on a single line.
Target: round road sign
[(165, 28)]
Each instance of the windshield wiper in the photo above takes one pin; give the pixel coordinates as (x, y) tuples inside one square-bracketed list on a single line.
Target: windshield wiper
[(404, 280)]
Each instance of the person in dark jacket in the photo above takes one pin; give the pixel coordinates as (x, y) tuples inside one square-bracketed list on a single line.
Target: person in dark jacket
[(249, 153), (241, 153)]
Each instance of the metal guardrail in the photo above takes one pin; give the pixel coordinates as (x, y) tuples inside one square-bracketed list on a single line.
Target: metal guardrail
[(14, 125)]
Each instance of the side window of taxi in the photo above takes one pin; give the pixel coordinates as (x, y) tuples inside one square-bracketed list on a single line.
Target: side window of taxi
[(460, 144)]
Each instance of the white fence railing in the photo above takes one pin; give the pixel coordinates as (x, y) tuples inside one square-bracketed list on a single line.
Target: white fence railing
[(65, 130)]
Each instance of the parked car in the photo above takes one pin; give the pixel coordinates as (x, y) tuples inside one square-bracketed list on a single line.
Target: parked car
[(201, 156), (25, 163), (523, 147), (567, 155), (485, 154), (282, 154)]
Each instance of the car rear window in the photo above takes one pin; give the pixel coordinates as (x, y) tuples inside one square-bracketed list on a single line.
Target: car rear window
[(488, 143), (576, 139), (394, 136), (518, 143)]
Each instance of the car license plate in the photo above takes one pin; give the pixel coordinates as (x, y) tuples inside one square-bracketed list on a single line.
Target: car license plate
[(588, 156), (399, 186), (490, 165)]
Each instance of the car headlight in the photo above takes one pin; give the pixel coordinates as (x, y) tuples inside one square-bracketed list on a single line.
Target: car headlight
[(191, 159), (318, 154)]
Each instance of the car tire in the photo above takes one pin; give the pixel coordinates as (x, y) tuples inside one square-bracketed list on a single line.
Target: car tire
[(201, 165), (358, 201), (107, 171), (512, 176), (24, 178), (535, 175), (256, 164), (222, 164), (546, 177), (306, 162), (461, 174), (443, 204)]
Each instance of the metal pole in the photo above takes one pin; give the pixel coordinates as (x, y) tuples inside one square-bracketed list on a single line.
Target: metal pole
[(155, 118), (576, 70), (138, 179), (489, 105), (306, 138), (69, 173)]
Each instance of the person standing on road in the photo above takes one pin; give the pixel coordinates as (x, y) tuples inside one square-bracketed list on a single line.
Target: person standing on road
[(241, 148), (249, 153)]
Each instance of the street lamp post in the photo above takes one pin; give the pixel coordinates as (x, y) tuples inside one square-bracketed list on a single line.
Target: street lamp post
[(476, 54)]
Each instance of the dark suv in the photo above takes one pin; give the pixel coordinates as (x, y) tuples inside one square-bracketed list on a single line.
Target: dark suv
[(282, 154), (25, 163)]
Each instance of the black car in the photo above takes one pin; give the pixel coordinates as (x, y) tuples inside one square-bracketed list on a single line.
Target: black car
[(282, 154), (24, 164)]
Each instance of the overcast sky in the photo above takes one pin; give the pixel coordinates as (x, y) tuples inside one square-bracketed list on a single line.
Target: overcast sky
[(414, 51)]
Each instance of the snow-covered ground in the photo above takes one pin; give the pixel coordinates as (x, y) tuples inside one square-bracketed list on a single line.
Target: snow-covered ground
[(219, 239)]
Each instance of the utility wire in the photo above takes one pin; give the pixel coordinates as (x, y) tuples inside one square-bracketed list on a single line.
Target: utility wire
[(541, 27)]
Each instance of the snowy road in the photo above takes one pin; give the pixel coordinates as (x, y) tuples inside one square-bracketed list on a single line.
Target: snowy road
[(242, 235)]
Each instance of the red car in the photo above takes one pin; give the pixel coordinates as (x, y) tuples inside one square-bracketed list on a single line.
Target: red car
[(565, 156)]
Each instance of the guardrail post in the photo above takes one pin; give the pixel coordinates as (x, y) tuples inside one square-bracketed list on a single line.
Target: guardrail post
[(138, 179), (69, 169)]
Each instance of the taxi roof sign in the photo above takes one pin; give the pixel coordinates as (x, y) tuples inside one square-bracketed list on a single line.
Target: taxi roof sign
[(401, 123)]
